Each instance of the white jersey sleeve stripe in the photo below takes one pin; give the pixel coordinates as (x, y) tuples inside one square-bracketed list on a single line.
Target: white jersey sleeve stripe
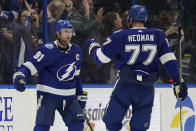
[(31, 67), (62, 92), (167, 57), (103, 58)]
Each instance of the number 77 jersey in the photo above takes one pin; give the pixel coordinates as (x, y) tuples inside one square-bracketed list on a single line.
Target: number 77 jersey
[(141, 49)]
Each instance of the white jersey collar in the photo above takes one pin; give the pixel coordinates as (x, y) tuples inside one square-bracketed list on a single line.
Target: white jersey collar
[(138, 28), (70, 45)]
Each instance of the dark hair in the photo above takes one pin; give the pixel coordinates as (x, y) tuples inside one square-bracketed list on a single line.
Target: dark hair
[(76, 3), (18, 21), (108, 23), (165, 19), (35, 6)]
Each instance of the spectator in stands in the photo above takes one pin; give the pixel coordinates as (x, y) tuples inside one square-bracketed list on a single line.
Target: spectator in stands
[(82, 16), (6, 56), (20, 34), (35, 24), (18, 5), (102, 74), (41, 5), (169, 23), (125, 24), (56, 9), (6, 46), (84, 20), (112, 22)]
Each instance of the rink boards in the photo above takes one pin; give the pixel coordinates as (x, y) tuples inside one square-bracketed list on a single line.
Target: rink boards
[(18, 110)]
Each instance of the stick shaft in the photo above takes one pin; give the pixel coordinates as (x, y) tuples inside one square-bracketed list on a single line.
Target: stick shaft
[(87, 120), (180, 74), (181, 127)]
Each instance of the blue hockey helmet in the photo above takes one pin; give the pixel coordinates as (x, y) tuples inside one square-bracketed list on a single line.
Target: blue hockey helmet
[(63, 24), (138, 12)]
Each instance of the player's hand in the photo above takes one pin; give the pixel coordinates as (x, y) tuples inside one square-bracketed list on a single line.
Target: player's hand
[(19, 81), (90, 45), (180, 90), (82, 98)]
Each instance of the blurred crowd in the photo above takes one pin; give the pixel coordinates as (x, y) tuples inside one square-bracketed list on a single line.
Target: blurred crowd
[(22, 31)]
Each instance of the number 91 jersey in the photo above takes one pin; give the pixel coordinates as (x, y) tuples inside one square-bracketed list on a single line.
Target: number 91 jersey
[(58, 71), (141, 49)]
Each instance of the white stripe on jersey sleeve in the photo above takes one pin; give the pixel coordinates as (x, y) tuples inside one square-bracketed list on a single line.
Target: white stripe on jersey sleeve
[(31, 67), (103, 58), (167, 57)]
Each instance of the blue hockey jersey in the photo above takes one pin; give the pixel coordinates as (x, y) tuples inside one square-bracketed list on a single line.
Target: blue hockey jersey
[(58, 71), (141, 49)]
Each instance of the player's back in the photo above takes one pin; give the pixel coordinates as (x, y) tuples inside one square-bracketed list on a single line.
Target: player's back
[(140, 48)]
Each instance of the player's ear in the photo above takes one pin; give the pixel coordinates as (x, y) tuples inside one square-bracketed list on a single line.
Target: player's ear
[(57, 34), (130, 22)]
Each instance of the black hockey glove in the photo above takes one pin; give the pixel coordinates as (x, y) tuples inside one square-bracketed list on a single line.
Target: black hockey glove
[(180, 90), (19, 81), (82, 98)]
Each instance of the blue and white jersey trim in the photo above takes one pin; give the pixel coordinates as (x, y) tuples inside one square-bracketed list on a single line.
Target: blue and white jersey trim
[(92, 45), (31, 67), (103, 58), (62, 92), (167, 57)]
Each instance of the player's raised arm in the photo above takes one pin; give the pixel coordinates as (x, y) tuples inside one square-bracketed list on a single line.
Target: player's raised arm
[(105, 53)]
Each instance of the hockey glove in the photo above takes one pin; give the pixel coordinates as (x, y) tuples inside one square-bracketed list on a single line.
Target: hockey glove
[(180, 90), (90, 45), (82, 98), (19, 81)]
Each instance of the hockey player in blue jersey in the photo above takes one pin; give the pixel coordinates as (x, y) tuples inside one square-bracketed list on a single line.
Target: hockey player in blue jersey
[(58, 66), (137, 53)]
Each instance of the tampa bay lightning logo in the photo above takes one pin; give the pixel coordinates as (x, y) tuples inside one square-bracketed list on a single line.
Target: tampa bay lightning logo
[(67, 72)]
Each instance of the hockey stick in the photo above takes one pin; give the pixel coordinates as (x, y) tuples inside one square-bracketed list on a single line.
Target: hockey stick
[(180, 75), (180, 62), (181, 127), (180, 71), (87, 120)]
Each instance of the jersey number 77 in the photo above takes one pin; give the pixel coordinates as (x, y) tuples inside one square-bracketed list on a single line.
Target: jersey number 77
[(135, 48)]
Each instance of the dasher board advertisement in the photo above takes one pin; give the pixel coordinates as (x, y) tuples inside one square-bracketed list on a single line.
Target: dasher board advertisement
[(18, 110)]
